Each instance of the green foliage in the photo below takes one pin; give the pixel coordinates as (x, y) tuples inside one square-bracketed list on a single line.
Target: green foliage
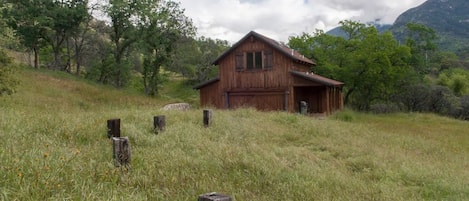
[(179, 90), (165, 25), (428, 98), (28, 19), (373, 66), (102, 70), (464, 112), (7, 80), (193, 58), (421, 40), (124, 32), (346, 115), (456, 79), (46, 23), (64, 20)]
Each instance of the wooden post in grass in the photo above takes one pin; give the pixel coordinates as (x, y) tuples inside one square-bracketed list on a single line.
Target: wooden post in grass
[(159, 123), (121, 151), (214, 197), (207, 118), (113, 128)]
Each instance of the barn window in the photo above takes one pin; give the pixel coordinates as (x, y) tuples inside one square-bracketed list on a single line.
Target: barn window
[(249, 60), (239, 60), (254, 60)]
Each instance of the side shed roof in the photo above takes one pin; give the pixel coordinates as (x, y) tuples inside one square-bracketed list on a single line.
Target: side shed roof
[(208, 82), (317, 78)]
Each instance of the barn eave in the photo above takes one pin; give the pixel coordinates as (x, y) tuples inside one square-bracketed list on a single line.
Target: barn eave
[(317, 78), (206, 83)]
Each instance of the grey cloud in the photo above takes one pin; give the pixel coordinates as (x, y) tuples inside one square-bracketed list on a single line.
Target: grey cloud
[(232, 19)]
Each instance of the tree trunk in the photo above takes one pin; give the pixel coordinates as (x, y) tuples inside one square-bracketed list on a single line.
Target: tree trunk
[(68, 65), (346, 99), (36, 57)]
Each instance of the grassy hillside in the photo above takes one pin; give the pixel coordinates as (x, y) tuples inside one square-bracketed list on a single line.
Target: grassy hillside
[(54, 147)]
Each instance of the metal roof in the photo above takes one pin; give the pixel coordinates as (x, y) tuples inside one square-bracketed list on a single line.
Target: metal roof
[(200, 85), (291, 53), (317, 78)]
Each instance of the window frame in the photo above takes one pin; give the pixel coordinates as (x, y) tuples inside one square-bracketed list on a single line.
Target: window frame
[(254, 60)]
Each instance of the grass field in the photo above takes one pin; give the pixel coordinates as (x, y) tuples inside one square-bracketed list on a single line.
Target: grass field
[(54, 147)]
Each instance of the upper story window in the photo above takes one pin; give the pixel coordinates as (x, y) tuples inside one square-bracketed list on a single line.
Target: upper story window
[(254, 60)]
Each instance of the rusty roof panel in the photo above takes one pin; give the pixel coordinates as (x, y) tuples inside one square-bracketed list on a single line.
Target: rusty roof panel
[(317, 78), (294, 55)]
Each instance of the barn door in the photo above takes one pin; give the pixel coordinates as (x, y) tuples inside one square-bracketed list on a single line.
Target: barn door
[(265, 101)]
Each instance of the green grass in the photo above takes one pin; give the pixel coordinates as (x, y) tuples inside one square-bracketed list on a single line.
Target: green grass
[(54, 147)]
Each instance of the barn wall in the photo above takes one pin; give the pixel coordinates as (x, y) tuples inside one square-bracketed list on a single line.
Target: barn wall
[(275, 78), (265, 101), (211, 96), (335, 99)]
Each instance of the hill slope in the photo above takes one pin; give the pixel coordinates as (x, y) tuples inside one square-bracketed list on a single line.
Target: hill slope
[(54, 146), (449, 18)]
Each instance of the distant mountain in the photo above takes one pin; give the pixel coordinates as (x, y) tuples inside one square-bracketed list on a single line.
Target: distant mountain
[(339, 32), (449, 18)]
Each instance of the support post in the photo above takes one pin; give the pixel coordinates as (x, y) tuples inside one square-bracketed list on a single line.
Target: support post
[(214, 197), (121, 151), (113, 128), (285, 103), (207, 118), (159, 123)]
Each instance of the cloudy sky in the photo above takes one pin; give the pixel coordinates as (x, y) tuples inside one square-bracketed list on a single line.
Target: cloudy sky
[(278, 19)]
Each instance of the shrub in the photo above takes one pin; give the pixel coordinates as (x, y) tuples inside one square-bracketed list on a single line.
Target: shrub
[(344, 115), (428, 98), (7, 81), (384, 108), (414, 98), (464, 109), (441, 100)]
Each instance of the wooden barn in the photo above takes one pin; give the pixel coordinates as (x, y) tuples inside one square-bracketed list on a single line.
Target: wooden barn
[(262, 73)]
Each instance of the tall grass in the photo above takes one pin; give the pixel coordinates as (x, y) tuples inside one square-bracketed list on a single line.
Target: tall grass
[(54, 147)]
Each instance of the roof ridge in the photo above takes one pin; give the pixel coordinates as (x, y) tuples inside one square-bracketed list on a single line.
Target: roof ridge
[(289, 52)]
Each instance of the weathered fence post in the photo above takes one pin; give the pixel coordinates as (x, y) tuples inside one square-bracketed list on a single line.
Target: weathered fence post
[(214, 197), (207, 118), (159, 123), (121, 151), (113, 128)]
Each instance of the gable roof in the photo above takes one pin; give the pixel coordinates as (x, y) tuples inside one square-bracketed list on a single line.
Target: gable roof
[(208, 82), (317, 78), (290, 53)]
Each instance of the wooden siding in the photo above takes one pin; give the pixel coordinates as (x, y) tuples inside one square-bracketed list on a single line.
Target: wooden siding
[(265, 101), (211, 96), (268, 77)]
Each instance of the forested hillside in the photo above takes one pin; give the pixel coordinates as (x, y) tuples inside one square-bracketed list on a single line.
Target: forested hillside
[(136, 45), (449, 19)]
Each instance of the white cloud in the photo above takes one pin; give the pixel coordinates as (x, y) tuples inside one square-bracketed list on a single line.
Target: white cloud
[(232, 19)]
